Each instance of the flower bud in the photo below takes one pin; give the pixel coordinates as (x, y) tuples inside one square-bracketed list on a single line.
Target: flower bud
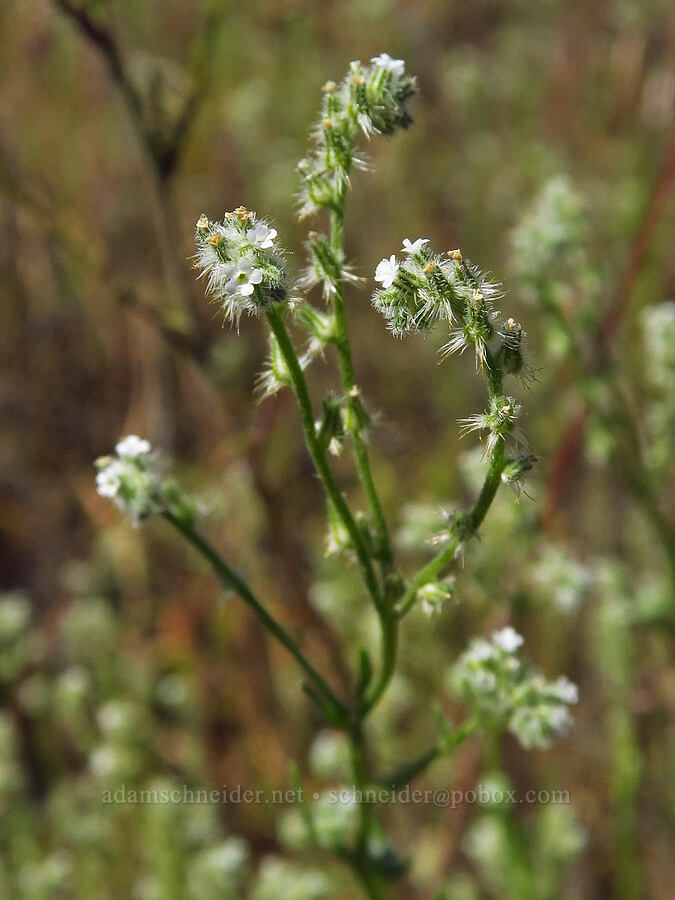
[(356, 417), (330, 431), (435, 595)]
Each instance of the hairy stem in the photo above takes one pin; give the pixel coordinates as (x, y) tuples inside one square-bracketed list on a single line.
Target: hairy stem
[(231, 581), (360, 861), (318, 453), (352, 398), (444, 557), (388, 624)]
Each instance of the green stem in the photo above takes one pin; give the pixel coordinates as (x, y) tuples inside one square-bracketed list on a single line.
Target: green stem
[(360, 861), (388, 623), (231, 581), (443, 747), (352, 398), (389, 642), (318, 453), (443, 559)]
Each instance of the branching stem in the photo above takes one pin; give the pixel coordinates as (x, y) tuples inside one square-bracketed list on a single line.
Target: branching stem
[(232, 581)]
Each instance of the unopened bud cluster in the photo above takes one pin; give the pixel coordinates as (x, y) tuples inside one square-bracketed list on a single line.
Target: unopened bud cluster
[(133, 479), (242, 262), (503, 691), (434, 596), (370, 99), (497, 423)]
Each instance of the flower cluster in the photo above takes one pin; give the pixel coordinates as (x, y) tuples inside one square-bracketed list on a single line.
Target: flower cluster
[(133, 480), (560, 580), (424, 287), (371, 99), (278, 878), (502, 691), (554, 230), (244, 266)]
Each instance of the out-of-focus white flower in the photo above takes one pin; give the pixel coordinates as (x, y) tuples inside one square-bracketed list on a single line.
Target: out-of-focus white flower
[(108, 480), (133, 446), (479, 651), (135, 482), (414, 247), (507, 639), (502, 690), (384, 61), (244, 278), (564, 689), (262, 236), (386, 271)]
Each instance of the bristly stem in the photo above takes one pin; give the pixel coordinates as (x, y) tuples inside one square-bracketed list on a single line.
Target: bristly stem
[(475, 518), (318, 453), (344, 352), (388, 623), (231, 581)]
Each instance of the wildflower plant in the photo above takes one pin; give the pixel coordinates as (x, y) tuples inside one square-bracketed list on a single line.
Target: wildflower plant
[(245, 271)]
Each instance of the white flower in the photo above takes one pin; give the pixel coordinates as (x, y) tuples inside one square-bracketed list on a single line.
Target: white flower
[(565, 690), (108, 480), (507, 639), (479, 651), (244, 278), (261, 236), (386, 271), (132, 446), (410, 247), (384, 61)]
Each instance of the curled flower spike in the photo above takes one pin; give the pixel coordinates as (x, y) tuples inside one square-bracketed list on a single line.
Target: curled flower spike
[(370, 99), (427, 287), (244, 267), (133, 480)]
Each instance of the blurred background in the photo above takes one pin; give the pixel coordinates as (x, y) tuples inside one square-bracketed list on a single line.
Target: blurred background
[(543, 147)]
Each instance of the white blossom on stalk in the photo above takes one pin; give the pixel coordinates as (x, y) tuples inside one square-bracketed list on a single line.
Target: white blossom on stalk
[(134, 481)]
